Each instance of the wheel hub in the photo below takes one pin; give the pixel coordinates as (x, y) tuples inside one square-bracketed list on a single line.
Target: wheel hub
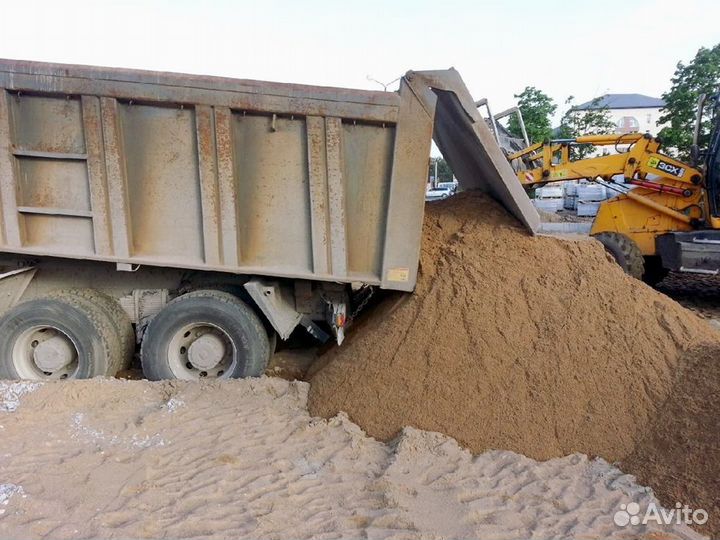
[(44, 352), (54, 353), (199, 350), (206, 352)]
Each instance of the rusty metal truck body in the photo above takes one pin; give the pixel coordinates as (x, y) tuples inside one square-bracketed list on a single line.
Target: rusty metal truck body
[(300, 194)]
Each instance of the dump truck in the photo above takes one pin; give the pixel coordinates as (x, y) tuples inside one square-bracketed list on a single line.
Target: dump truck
[(203, 218)]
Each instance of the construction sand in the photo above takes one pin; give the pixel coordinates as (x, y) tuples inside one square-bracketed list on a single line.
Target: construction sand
[(243, 459), (679, 455), (540, 346), (536, 345)]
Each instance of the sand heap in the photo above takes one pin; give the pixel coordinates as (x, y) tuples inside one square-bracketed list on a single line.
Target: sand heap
[(531, 344), (679, 455)]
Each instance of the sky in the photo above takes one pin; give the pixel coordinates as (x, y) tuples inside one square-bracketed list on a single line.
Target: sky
[(580, 48)]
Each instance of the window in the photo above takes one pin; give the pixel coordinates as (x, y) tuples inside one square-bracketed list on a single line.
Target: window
[(628, 124)]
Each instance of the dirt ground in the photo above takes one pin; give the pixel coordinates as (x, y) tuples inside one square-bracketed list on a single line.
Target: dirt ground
[(244, 459), (700, 293)]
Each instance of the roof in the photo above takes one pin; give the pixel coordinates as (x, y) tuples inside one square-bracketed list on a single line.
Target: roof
[(623, 101)]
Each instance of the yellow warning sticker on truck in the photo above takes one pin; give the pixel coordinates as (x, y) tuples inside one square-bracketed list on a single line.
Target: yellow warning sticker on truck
[(398, 274), (561, 173)]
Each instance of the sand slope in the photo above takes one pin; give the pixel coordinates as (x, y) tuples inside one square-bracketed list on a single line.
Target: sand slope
[(118, 459), (532, 344), (680, 454)]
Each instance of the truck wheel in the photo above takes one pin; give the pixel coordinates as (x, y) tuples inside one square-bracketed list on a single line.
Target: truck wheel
[(119, 322), (63, 336), (625, 252), (205, 334)]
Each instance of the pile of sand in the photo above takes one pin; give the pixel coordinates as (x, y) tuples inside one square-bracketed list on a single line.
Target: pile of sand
[(531, 344), (680, 455)]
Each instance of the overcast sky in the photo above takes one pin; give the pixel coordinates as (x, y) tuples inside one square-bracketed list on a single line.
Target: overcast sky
[(581, 48)]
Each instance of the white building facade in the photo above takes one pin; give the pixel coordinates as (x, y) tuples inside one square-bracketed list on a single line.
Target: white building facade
[(631, 113)]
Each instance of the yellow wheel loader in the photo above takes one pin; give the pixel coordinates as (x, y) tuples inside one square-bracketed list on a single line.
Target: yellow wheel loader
[(668, 219)]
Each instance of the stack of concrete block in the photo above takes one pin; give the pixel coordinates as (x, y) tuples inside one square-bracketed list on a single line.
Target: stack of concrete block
[(589, 197), (549, 198)]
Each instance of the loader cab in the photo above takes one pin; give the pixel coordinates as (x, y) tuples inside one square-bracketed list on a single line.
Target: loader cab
[(698, 251), (712, 163), (709, 158)]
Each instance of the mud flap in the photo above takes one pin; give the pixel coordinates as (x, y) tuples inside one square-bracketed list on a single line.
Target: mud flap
[(13, 285), (468, 144)]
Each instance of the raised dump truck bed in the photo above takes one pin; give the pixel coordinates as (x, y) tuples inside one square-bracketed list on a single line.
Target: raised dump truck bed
[(283, 191), (214, 174)]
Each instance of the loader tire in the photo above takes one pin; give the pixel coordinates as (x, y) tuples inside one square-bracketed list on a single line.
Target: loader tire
[(654, 271), (76, 334), (624, 251), (205, 334)]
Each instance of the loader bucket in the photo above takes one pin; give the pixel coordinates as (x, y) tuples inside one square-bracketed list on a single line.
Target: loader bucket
[(467, 143)]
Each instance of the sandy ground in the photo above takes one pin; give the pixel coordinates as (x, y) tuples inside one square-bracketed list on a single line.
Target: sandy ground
[(244, 459)]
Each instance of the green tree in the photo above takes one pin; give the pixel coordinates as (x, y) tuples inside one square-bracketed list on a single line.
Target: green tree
[(444, 171), (537, 108), (593, 120), (700, 76)]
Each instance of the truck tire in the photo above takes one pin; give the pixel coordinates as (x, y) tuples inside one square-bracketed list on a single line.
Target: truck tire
[(625, 252), (205, 334), (62, 336), (118, 320), (237, 290)]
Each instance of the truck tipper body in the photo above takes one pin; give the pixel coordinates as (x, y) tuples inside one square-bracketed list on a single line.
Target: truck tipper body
[(134, 191)]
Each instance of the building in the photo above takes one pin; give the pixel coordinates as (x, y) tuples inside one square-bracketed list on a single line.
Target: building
[(630, 112)]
